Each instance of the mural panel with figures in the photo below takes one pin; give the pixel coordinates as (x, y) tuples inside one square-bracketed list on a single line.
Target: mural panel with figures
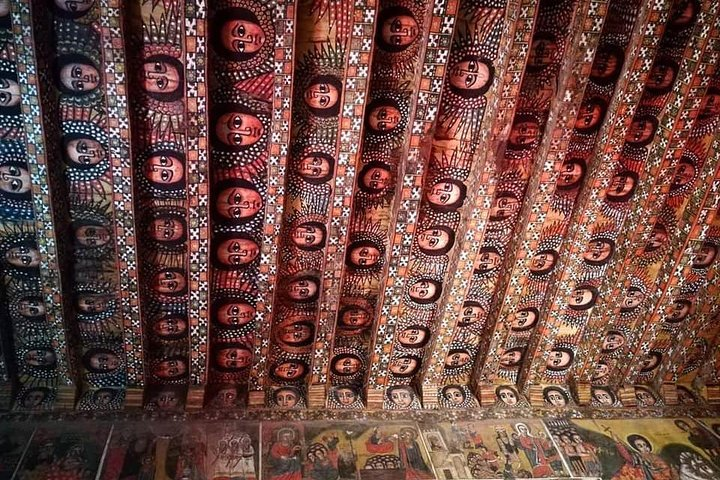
[(643, 449), (492, 449)]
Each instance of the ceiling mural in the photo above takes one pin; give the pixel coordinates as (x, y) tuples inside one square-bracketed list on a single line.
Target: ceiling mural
[(376, 204)]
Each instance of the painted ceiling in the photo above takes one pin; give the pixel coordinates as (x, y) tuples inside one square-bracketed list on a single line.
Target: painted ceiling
[(382, 204)]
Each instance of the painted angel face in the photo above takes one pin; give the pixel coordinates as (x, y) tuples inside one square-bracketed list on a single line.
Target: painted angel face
[(384, 118), (507, 396), (286, 397), (402, 397), (235, 314), (164, 169), (345, 396), (14, 179), (169, 282), (237, 129), (400, 30), (302, 289), (364, 256), (290, 370), (85, 151), (433, 239), (242, 36), (166, 229), (321, 95), (237, 251), (9, 92), (104, 361), (92, 235), (23, 257), (454, 395), (170, 326), (469, 74), (79, 77), (238, 202), (160, 77), (233, 358)]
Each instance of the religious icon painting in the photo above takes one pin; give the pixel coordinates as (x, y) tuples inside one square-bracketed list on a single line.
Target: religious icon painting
[(390, 451), (233, 451), (492, 450), (14, 439), (131, 453), (282, 451), (648, 448), (72, 452), (179, 452), (329, 453)]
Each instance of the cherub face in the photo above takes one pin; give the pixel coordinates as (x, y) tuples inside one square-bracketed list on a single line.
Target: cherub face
[(160, 77), (321, 95), (14, 179), (235, 314), (23, 257), (9, 92), (84, 151), (237, 129), (234, 358), (242, 36), (470, 74), (399, 30), (238, 202), (237, 251), (79, 77), (164, 169), (384, 118)]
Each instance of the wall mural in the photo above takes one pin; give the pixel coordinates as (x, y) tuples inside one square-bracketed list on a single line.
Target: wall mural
[(392, 204)]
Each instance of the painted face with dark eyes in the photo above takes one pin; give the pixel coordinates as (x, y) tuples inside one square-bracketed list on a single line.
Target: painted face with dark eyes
[(376, 178), (384, 118), (169, 282), (321, 95), (433, 239), (237, 251), (444, 193), (571, 174), (238, 202), (591, 114), (470, 74), (23, 257), (290, 370), (166, 229), (170, 326), (168, 369), (307, 235), (235, 314), (92, 235), (9, 92), (77, 6), (364, 256), (164, 169), (104, 361), (237, 129), (160, 77), (302, 289), (233, 358), (400, 30), (79, 77), (422, 289), (296, 333), (641, 131), (620, 187), (355, 318), (313, 166), (14, 179), (40, 357), (523, 319), (242, 36), (31, 307), (85, 151), (503, 207), (89, 303), (598, 250)]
